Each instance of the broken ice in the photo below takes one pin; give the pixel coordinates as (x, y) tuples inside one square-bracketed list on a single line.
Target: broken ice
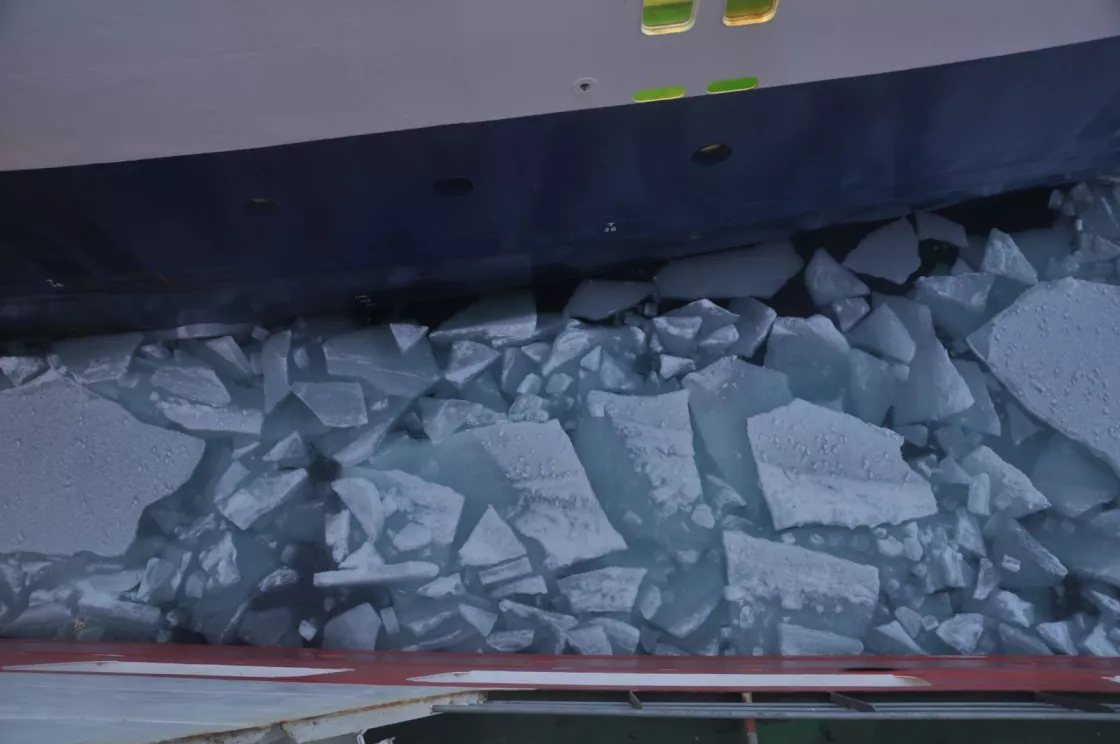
[(889, 252), (759, 271), (335, 404)]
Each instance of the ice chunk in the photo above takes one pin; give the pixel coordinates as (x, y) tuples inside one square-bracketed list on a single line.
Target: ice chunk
[(934, 389), (479, 619), (598, 299), (590, 640), (981, 416), (262, 495), (1021, 642), (758, 271), (20, 369), (1002, 257), (612, 589), (364, 501), (375, 575), (817, 466), (846, 313), (498, 320), (1021, 426), (967, 533), (411, 537), (288, 451), (889, 252), (429, 505), (505, 571), (678, 335), (509, 641), (138, 616), (98, 358), (915, 434), (407, 335), (935, 227), (274, 365), (882, 333), (1056, 357), (308, 629), (892, 640), (281, 578), (442, 418), (1086, 553), (712, 316), (1009, 607), (162, 577), (980, 495), (914, 316), (353, 630), (753, 326), (192, 382), (335, 404), (78, 470), (1072, 480), (491, 542), (210, 420), (531, 474), (957, 302), (225, 353), (530, 408), (812, 354), (554, 621), (764, 575), (910, 619), (528, 585), (219, 560), (828, 281), (1059, 636), (467, 361), (615, 375), (1097, 643), (874, 385), (690, 599), (1022, 560), (624, 637), (1012, 492), (639, 450), (671, 366), (267, 627), (962, 632), (794, 640), (372, 354)]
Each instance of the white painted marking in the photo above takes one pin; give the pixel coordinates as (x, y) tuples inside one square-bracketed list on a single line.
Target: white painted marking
[(180, 670), (640, 680)]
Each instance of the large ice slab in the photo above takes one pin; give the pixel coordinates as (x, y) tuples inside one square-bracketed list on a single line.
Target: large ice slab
[(260, 496), (227, 420), (598, 299), (884, 334), (758, 271), (602, 590), (1002, 257), (1060, 359), (530, 473), (812, 353), (1073, 480), (828, 281), (934, 389), (817, 466), (98, 358), (498, 320), (78, 470), (722, 397), (889, 252), (373, 354), (353, 630), (192, 382), (335, 404)]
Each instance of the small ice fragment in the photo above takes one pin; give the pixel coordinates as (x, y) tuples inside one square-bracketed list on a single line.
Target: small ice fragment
[(889, 252), (353, 630), (491, 542), (161, 579), (389, 621), (528, 585), (846, 313), (337, 537), (967, 534), (530, 408), (1073, 480), (335, 404), (713, 316), (669, 366), (261, 496), (1011, 491), (20, 369), (480, 619), (97, 358), (1023, 561), (816, 466), (678, 335), (308, 629), (934, 389), (467, 360), (407, 335), (1021, 642), (372, 354), (981, 416), (1021, 426), (531, 385), (274, 365), (265, 627), (509, 641), (624, 637), (371, 575), (603, 590), (289, 450), (590, 641), (156, 352), (828, 281), (958, 303), (980, 495), (208, 419), (558, 383), (883, 334), (892, 640), (411, 537), (555, 621), (219, 560), (427, 504), (753, 326), (812, 354), (364, 501), (233, 477), (873, 386), (794, 640), (758, 271), (911, 621), (1059, 636), (962, 631), (1011, 608), (702, 516), (1098, 644), (505, 571), (498, 320), (598, 299), (1054, 355), (617, 376), (192, 382), (935, 227), (281, 578), (225, 353), (1002, 257)]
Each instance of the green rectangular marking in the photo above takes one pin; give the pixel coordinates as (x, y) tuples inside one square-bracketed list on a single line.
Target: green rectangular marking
[(659, 94), (733, 85)]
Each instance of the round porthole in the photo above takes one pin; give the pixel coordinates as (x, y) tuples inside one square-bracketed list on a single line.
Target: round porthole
[(711, 154), (453, 186)]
